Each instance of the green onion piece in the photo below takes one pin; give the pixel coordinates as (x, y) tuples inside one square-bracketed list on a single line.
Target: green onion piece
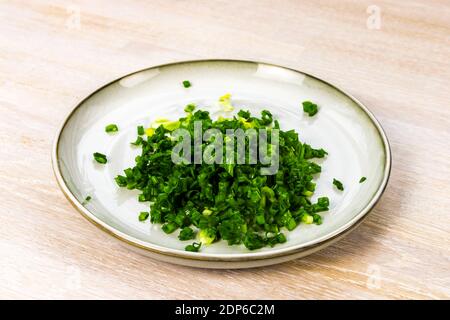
[(260, 219), (121, 181), (317, 219), (310, 108), (190, 107), (86, 200), (244, 114), (309, 152), (207, 212), (186, 234), (307, 193), (143, 216), (253, 241), (186, 83), (138, 141), (338, 184), (266, 117), (207, 236), (308, 219), (193, 247), (291, 224), (279, 238), (100, 158), (169, 227), (362, 179), (140, 130), (111, 128)]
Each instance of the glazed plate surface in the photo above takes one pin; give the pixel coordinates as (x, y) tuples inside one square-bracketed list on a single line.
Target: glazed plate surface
[(355, 141)]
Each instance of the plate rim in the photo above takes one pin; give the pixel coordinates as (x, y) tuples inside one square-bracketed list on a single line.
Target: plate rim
[(224, 257)]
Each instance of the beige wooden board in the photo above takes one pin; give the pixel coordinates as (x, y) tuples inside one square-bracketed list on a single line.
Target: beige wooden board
[(54, 53)]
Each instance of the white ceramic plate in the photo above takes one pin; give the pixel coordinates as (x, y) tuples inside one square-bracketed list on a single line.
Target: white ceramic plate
[(355, 141)]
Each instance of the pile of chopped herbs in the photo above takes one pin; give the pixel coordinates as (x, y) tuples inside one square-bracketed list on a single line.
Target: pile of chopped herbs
[(235, 203)]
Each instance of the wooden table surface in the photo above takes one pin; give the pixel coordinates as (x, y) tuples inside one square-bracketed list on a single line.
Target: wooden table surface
[(392, 55)]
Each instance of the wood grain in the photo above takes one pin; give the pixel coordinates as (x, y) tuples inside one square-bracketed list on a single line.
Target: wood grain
[(48, 62)]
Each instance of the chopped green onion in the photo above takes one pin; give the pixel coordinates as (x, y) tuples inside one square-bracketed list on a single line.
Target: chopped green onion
[(260, 219), (291, 224), (362, 179), (232, 202), (186, 83), (244, 114), (338, 184), (310, 108), (143, 216), (100, 158), (169, 227), (121, 181), (266, 117), (207, 212), (193, 247), (307, 193), (111, 128), (140, 130), (317, 219), (207, 236), (279, 238), (138, 141), (254, 241), (308, 219), (190, 107), (86, 200), (186, 234)]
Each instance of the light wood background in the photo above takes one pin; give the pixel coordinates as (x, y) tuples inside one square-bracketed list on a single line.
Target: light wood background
[(54, 53)]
